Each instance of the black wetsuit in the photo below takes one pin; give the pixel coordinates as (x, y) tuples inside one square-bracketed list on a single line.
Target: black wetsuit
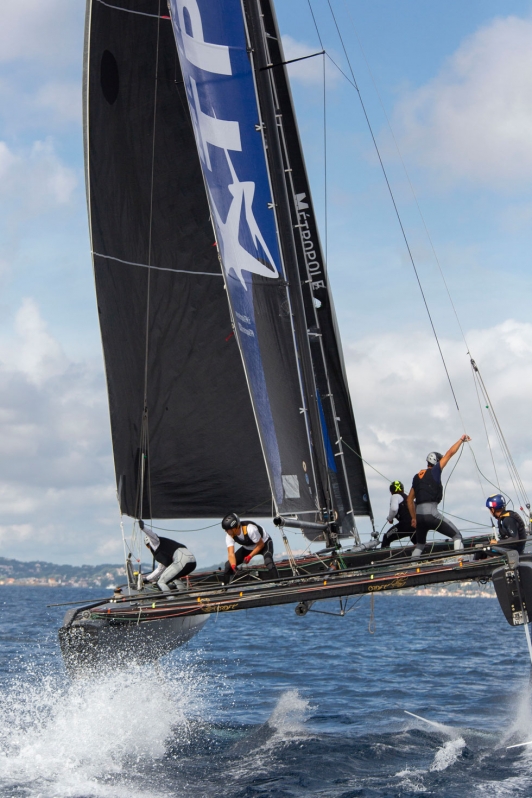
[(403, 528), (512, 531), (428, 492)]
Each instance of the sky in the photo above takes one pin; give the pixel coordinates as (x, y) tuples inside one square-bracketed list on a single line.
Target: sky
[(448, 91)]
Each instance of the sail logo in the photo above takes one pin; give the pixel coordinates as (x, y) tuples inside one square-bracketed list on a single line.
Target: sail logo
[(313, 266), (242, 245)]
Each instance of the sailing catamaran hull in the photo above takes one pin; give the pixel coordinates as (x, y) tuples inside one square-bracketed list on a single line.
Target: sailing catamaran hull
[(90, 644)]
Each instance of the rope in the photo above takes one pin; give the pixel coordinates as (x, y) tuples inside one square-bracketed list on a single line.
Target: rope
[(396, 209), (365, 461), (211, 526), (512, 468), (325, 159), (518, 485), (144, 432), (483, 420)]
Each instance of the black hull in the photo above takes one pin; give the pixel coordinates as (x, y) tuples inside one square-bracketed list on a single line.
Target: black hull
[(90, 644)]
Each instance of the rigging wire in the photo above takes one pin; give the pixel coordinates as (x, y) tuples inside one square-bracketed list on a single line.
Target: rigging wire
[(396, 209), (514, 475), (144, 444), (365, 461), (211, 526)]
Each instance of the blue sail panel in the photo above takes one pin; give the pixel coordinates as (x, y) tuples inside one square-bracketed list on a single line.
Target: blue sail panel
[(219, 82)]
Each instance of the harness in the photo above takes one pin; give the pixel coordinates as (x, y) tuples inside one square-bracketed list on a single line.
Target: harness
[(244, 538), (505, 532), (426, 489), (165, 551), (404, 519)]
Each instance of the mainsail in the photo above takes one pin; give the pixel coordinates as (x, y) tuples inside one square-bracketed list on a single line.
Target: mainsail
[(184, 430), (165, 323)]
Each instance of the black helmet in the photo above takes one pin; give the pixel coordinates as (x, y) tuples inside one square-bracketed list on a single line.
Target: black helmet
[(397, 487), (231, 521), (433, 458)]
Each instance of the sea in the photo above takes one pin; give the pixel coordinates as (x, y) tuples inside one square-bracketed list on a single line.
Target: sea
[(265, 704)]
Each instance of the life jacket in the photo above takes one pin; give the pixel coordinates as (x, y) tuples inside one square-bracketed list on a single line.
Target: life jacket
[(243, 538), (426, 489), (404, 519), (504, 532), (165, 551)]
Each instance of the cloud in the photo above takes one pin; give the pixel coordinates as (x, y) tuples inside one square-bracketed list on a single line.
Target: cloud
[(473, 121), (61, 99), (57, 489), (34, 30), (56, 474), (405, 409), (34, 181), (310, 71)]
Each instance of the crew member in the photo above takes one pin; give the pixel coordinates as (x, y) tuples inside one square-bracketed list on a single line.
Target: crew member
[(253, 540), (512, 531), (174, 559), (425, 495), (400, 513)]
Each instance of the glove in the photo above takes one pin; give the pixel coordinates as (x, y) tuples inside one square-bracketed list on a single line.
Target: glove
[(234, 567), (247, 559), (141, 524)]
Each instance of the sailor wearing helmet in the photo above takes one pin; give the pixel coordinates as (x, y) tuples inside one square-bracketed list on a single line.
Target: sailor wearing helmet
[(512, 531), (253, 540), (425, 495), (173, 559), (398, 512)]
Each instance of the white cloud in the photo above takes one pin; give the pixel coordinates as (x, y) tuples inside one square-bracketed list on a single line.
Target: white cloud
[(473, 121), (61, 99), (34, 29), (34, 181), (56, 474), (309, 71), (405, 409)]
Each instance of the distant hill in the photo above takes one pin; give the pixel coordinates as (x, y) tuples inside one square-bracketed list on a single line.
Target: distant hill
[(38, 572), (15, 572)]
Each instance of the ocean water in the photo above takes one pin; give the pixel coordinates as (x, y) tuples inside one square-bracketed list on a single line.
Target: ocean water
[(264, 703)]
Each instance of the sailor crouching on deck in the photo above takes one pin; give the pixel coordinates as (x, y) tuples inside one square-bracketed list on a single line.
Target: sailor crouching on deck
[(253, 540), (427, 492), (512, 531), (399, 513), (174, 559)]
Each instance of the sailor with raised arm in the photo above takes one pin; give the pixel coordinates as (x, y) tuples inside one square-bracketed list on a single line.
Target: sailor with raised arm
[(425, 495), (253, 540), (398, 512), (512, 530), (174, 559)]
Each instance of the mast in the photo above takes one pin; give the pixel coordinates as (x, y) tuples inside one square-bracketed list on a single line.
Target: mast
[(277, 172), (345, 471)]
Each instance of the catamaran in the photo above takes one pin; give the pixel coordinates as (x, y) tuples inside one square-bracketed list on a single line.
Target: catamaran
[(226, 380)]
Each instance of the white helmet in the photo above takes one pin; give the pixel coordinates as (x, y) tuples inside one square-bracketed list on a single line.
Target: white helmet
[(433, 458)]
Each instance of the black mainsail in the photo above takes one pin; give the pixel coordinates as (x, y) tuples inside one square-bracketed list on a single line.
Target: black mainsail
[(151, 231), (214, 404)]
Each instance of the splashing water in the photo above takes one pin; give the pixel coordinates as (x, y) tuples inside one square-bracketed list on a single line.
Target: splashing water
[(90, 736), (289, 715), (448, 754)]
